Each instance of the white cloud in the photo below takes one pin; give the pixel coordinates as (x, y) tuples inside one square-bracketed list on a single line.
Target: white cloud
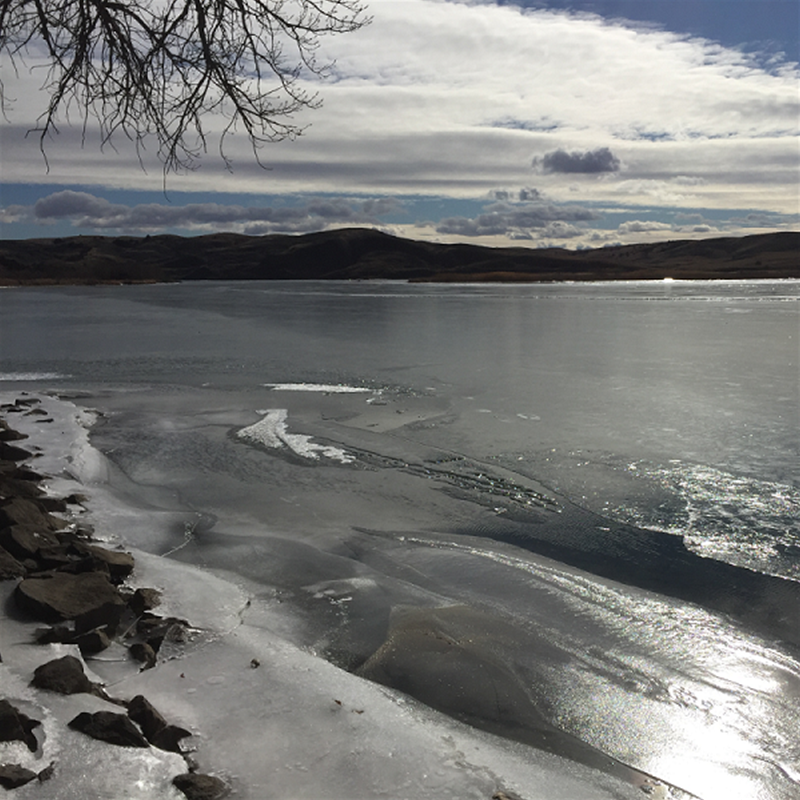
[(639, 226)]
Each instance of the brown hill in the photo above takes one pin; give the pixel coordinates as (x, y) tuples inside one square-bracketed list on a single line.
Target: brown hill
[(358, 253)]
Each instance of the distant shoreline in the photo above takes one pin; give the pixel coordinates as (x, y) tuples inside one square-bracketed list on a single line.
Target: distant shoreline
[(366, 254)]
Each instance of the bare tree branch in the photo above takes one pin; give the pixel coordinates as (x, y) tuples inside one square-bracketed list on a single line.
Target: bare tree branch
[(153, 69)]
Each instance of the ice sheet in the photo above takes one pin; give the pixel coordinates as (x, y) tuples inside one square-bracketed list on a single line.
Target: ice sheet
[(273, 719)]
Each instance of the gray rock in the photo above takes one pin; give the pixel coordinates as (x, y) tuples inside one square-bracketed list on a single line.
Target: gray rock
[(93, 642), (144, 654), (144, 600), (63, 675), (156, 729), (200, 787), (108, 726), (27, 540), (8, 452), (24, 511), (60, 596), (9, 434), (119, 564), (13, 776), (106, 616), (142, 711)]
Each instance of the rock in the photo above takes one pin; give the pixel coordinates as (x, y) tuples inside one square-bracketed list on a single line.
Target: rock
[(60, 596), (144, 600), (108, 726), (78, 564), (13, 486), (58, 634), (144, 654), (10, 567), (169, 738), (24, 474), (200, 787), (142, 712), (9, 434), (155, 728), (92, 642), (56, 558), (23, 511), (63, 675), (13, 776), (66, 676), (15, 726), (26, 540), (120, 564), (9, 452), (154, 629), (106, 616), (58, 504)]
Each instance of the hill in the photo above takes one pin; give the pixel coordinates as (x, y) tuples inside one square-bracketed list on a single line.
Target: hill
[(359, 253)]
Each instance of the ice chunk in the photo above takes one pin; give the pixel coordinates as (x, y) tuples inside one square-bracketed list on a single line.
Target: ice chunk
[(317, 387), (272, 432)]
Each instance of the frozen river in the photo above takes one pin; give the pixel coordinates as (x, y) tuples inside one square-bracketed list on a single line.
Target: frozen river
[(565, 515)]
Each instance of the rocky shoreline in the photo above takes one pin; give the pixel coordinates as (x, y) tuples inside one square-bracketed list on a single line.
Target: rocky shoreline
[(85, 641), (71, 591)]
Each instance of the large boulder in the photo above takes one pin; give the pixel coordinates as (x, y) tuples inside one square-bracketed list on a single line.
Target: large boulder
[(60, 595), (24, 511), (108, 726), (63, 675), (24, 540)]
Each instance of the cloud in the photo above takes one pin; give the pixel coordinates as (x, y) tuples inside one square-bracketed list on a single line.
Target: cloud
[(72, 204), (640, 226), (525, 194), (518, 220), (85, 210), (589, 162), (701, 229)]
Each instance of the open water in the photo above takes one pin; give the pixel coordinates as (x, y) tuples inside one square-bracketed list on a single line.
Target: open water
[(566, 514)]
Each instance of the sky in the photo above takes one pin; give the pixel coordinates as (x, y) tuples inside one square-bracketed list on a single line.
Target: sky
[(560, 123)]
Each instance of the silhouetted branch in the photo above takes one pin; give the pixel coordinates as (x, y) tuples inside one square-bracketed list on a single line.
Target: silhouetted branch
[(155, 68)]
